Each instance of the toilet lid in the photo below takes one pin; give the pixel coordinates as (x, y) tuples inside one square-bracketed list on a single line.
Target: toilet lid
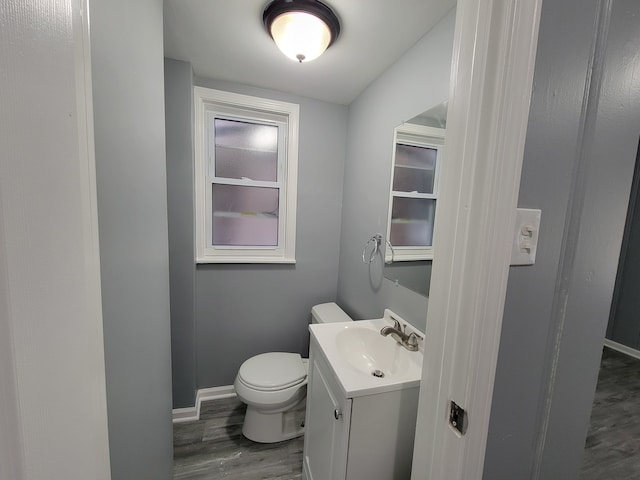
[(273, 371)]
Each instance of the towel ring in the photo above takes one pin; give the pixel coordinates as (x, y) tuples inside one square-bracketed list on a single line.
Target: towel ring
[(392, 252), (376, 241)]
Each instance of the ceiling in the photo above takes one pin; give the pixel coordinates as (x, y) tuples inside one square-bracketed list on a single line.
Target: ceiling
[(225, 40)]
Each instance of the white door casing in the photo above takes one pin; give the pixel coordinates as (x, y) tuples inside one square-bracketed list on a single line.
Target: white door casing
[(50, 301), (491, 82)]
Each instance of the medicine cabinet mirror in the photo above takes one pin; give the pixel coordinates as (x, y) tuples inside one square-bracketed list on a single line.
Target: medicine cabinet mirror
[(417, 162)]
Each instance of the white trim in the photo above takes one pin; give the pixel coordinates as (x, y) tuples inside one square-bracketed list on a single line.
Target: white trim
[(206, 100), (93, 285), (632, 352), (51, 310), (436, 134), (409, 255), (492, 71), (188, 414), (253, 259), (191, 414), (215, 393)]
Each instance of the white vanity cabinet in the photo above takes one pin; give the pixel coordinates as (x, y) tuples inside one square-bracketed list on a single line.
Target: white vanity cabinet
[(326, 424), (358, 437)]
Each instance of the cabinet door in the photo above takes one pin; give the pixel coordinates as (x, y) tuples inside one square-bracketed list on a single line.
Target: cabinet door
[(327, 425)]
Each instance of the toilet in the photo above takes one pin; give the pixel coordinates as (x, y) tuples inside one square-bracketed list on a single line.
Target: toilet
[(274, 387)]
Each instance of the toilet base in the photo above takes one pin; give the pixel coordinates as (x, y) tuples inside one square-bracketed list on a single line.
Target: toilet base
[(264, 427)]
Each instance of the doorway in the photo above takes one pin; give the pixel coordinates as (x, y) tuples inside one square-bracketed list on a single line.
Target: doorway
[(613, 440)]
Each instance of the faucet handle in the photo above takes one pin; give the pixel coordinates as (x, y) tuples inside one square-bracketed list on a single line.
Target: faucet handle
[(396, 324), (412, 342)]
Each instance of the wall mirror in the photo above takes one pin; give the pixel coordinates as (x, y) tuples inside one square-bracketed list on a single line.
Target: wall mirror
[(417, 163)]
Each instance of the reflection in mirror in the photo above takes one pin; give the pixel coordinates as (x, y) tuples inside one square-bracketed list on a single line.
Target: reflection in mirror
[(414, 192), (417, 163), (413, 275), (435, 117)]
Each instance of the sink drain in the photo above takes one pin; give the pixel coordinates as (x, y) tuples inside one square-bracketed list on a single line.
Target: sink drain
[(378, 373)]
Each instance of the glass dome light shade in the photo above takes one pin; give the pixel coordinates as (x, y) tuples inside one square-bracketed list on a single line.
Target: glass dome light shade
[(300, 36)]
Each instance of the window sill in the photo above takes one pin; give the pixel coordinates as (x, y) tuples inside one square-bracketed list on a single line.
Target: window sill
[(409, 257), (273, 260)]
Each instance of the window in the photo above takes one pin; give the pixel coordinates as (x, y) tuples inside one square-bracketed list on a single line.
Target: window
[(417, 159), (246, 159)]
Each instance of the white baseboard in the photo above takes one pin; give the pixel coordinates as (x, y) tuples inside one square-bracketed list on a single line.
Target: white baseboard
[(187, 414), (622, 348), (215, 393), (190, 414)]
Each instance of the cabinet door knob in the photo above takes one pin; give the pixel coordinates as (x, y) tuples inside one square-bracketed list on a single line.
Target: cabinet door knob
[(337, 414)]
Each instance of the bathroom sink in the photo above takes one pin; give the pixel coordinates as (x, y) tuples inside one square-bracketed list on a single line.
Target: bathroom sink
[(364, 361), (372, 354)]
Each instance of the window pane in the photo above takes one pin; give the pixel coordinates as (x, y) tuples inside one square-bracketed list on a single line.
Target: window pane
[(245, 216), (412, 222), (244, 149), (414, 169)]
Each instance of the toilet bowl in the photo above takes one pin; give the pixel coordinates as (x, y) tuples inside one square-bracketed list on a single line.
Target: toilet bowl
[(274, 387)]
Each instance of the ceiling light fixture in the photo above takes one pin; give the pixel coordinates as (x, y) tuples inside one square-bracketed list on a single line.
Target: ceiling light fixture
[(302, 29)]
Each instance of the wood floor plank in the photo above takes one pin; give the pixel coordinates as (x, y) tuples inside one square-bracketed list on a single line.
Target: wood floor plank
[(612, 449), (214, 448)]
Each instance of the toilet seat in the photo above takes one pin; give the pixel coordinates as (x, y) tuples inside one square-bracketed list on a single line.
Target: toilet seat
[(280, 390), (273, 371)]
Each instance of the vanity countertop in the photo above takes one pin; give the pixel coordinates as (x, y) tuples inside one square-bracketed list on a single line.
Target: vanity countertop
[(356, 350)]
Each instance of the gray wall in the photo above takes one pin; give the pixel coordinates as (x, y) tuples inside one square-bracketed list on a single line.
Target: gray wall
[(178, 82), (416, 82), (243, 310), (127, 71), (552, 140), (556, 311)]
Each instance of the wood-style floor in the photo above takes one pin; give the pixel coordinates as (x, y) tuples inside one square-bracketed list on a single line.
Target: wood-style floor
[(612, 449), (214, 448)]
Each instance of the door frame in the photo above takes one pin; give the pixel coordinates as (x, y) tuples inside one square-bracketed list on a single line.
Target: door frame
[(51, 335), (491, 82)]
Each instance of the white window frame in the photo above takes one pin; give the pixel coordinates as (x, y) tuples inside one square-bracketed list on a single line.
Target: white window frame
[(253, 109), (420, 136)]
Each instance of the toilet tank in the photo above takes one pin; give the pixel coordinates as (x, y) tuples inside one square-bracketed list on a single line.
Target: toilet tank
[(328, 313)]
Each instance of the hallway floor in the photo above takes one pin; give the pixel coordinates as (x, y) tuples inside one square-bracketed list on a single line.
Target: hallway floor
[(213, 448), (612, 449)]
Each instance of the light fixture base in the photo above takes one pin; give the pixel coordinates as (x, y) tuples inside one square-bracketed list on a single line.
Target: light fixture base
[(279, 22)]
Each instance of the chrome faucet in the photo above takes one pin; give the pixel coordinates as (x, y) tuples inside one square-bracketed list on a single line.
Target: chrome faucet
[(397, 332)]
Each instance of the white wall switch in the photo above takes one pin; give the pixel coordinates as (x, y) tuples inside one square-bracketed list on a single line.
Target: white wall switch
[(525, 238)]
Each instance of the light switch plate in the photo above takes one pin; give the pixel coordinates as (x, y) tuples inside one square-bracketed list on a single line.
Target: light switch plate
[(525, 238)]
